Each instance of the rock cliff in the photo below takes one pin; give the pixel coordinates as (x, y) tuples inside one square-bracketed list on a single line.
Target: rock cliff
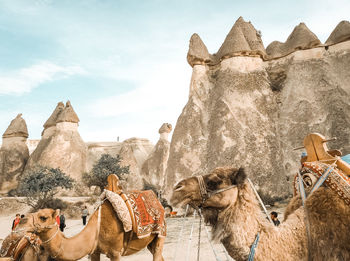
[(13, 154), (153, 169), (252, 109), (61, 145)]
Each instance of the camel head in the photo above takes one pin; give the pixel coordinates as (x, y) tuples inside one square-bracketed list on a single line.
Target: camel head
[(188, 190), (41, 221)]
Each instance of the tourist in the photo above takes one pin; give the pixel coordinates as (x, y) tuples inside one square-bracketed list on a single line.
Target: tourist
[(58, 218), (62, 221), (84, 215), (274, 218), (16, 221)]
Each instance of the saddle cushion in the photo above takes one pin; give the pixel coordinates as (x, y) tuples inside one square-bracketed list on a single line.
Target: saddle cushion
[(148, 212), (120, 208)]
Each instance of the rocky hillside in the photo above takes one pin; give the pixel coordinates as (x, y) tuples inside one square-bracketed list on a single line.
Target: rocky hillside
[(250, 107)]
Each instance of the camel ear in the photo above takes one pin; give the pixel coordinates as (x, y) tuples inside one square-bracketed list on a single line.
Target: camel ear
[(238, 176), (55, 213)]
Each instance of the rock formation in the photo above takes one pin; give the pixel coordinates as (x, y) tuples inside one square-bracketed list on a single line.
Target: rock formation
[(340, 34), (242, 39), (197, 52), (153, 169), (13, 153), (250, 112), (61, 145), (134, 152), (300, 39)]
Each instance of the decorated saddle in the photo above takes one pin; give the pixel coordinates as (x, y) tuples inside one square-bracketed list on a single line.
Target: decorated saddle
[(323, 165), (139, 211), (15, 243)]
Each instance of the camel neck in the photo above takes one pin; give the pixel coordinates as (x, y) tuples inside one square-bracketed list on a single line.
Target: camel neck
[(244, 219), (75, 247)]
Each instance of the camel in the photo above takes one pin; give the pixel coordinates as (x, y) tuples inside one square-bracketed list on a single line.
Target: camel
[(108, 237), (236, 219), (23, 250)]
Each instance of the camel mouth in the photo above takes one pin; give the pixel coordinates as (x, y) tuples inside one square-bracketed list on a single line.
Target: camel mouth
[(179, 200)]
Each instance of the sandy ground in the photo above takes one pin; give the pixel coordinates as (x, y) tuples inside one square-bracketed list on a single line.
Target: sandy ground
[(181, 242)]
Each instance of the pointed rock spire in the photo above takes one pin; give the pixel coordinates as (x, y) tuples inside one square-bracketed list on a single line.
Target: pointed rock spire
[(197, 52), (68, 114), (340, 33), (165, 128), (17, 128), (51, 121), (301, 38), (243, 39)]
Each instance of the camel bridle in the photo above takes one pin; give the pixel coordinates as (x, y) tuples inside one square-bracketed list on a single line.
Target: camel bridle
[(206, 193)]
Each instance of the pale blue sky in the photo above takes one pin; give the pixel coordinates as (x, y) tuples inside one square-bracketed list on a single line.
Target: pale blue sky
[(123, 63)]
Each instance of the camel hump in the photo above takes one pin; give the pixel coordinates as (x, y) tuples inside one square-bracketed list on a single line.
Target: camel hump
[(114, 184)]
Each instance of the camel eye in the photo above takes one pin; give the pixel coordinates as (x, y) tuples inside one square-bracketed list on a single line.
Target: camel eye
[(213, 184), (43, 218)]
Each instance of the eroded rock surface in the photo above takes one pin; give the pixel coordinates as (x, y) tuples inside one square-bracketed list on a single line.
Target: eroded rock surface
[(13, 154), (249, 112), (300, 39), (340, 34), (61, 145), (153, 169)]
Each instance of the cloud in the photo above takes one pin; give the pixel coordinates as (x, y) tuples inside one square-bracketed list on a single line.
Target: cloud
[(24, 80), (163, 89)]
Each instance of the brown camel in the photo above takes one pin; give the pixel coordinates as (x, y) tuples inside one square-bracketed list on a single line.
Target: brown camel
[(109, 238), (236, 219)]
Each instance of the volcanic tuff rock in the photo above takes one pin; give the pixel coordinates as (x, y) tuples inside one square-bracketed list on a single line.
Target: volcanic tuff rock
[(246, 112), (133, 151), (341, 33), (61, 145), (17, 128), (197, 52), (153, 169), (13, 154), (300, 39), (242, 39)]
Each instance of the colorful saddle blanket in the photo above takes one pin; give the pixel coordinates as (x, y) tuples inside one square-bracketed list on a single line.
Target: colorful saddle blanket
[(148, 213), (337, 180)]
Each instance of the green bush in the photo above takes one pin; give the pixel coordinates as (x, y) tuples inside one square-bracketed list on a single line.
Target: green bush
[(105, 166), (40, 185)]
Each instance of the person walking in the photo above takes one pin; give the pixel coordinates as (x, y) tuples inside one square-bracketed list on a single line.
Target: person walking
[(84, 215), (16, 221), (62, 221)]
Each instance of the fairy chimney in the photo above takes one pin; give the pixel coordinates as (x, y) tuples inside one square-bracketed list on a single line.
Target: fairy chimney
[(14, 154)]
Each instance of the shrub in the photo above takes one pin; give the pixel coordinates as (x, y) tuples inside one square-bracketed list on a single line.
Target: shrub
[(40, 185), (105, 166)]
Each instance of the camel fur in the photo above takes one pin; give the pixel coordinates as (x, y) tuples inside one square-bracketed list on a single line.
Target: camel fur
[(236, 218), (110, 239)]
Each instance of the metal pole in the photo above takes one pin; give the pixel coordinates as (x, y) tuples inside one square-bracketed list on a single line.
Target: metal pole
[(261, 202), (180, 234), (208, 236), (190, 239)]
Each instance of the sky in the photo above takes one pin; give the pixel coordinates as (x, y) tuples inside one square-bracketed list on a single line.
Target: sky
[(122, 64)]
